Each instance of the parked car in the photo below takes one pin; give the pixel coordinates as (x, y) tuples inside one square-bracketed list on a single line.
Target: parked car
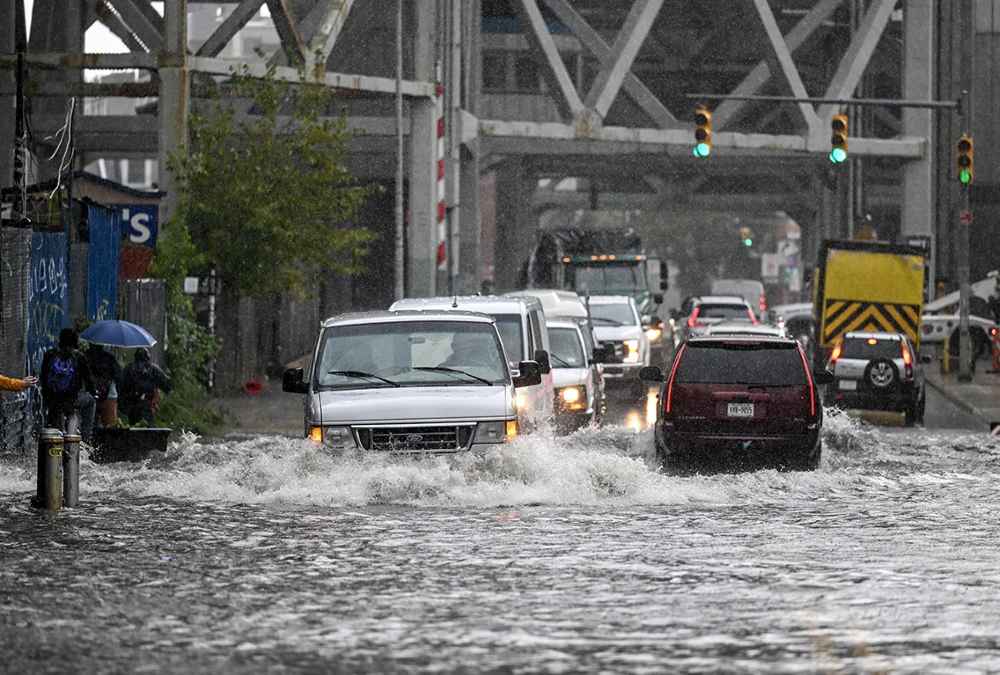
[(738, 399), (878, 371), (617, 325), (749, 289), (410, 382), (522, 327), (703, 311), (579, 400)]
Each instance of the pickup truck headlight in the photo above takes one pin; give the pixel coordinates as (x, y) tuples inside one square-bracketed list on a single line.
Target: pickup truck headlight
[(496, 432), (336, 438), (572, 398), (654, 334), (633, 351)]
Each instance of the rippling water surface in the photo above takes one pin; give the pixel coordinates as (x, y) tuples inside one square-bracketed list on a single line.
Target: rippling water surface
[(560, 554)]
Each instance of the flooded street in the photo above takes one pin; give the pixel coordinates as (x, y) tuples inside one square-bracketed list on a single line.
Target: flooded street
[(556, 555)]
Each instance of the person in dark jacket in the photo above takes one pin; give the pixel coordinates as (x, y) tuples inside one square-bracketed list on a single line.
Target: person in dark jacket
[(67, 387), (107, 374), (141, 384)]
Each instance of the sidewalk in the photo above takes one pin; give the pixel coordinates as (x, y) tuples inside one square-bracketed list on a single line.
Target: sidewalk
[(270, 412), (981, 397)]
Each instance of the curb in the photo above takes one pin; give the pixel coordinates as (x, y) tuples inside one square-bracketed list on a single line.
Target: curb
[(956, 400)]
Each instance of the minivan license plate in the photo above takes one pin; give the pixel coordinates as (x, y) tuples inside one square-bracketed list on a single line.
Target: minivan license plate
[(739, 410)]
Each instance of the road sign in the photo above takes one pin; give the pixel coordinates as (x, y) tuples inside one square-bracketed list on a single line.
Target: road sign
[(965, 217)]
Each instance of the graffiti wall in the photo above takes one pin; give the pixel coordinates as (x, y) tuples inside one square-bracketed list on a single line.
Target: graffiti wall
[(102, 262), (48, 297)]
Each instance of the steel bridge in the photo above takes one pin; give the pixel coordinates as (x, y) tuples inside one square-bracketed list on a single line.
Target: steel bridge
[(541, 89)]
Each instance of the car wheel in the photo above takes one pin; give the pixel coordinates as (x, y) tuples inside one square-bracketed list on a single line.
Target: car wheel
[(882, 374)]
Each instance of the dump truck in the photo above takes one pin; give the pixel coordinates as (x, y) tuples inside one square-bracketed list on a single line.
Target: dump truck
[(867, 286)]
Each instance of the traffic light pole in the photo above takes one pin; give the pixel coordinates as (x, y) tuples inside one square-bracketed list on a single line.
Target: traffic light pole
[(965, 354)]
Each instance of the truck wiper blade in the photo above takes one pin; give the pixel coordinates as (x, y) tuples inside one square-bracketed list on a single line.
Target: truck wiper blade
[(445, 369), (359, 373), (560, 359), (611, 322)]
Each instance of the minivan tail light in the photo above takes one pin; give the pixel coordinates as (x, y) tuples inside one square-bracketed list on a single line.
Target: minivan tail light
[(693, 319), (809, 379), (670, 382)]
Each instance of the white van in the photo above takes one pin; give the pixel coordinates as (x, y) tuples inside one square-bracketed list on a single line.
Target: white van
[(410, 383), (748, 289), (522, 327)]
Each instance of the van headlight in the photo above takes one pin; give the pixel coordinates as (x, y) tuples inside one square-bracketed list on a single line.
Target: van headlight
[(496, 432), (654, 334), (633, 351), (336, 438), (571, 398)]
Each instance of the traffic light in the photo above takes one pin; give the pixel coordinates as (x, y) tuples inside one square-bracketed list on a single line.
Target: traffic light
[(746, 236), (838, 139), (963, 157), (702, 132)]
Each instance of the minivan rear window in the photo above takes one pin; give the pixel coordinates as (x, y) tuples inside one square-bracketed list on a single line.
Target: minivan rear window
[(751, 363), (860, 348), (731, 312)]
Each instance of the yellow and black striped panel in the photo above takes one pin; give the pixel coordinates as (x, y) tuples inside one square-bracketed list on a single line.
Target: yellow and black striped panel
[(844, 316)]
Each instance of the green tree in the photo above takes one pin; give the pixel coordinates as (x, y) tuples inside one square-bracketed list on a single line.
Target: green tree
[(265, 195)]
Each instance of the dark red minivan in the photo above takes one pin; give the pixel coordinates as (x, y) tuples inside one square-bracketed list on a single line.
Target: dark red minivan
[(738, 400)]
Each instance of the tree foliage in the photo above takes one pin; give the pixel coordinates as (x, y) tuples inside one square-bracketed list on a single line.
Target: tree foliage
[(265, 195)]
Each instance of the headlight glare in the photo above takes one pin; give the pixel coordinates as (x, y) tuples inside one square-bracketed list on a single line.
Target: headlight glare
[(572, 398), (653, 334), (633, 351)]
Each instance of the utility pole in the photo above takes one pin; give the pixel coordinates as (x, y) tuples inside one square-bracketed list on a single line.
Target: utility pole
[(400, 283)]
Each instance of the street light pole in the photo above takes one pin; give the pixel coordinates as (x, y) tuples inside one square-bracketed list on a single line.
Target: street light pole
[(400, 287)]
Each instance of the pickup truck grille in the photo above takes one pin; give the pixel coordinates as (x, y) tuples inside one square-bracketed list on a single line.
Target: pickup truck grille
[(415, 439)]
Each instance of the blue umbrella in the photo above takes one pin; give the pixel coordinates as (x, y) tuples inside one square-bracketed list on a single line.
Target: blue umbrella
[(118, 334)]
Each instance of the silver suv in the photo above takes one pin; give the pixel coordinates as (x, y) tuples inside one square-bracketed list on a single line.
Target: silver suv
[(878, 371), (410, 382)]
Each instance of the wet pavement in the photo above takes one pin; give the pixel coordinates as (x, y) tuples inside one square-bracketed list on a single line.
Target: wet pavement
[(556, 554)]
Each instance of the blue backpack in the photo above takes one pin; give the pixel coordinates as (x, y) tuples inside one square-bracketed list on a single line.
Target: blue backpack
[(62, 374)]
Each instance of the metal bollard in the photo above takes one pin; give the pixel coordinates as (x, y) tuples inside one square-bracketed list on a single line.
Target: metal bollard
[(71, 470), (946, 356), (50, 450)]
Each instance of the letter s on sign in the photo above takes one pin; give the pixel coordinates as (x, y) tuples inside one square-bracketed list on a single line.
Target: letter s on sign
[(139, 224)]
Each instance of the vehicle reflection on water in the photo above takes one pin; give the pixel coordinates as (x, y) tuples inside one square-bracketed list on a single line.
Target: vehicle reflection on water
[(552, 554)]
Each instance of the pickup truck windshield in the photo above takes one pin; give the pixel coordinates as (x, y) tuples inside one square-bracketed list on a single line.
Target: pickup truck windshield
[(411, 353), (613, 315)]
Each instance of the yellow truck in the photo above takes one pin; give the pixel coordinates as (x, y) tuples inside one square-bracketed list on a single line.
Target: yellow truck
[(867, 286)]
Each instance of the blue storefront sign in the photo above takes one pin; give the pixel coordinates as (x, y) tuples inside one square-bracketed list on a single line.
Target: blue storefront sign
[(140, 223), (48, 297)]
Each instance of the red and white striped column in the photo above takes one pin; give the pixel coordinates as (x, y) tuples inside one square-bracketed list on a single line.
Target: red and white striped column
[(442, 203)]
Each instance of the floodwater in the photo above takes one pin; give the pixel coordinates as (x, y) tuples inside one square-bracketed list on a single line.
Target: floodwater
[(557, 554)]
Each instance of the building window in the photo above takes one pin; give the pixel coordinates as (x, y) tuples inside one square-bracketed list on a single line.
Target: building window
[(135, 172), (527, 74), (494, 71)]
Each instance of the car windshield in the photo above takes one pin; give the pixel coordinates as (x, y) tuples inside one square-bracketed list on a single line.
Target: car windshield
[(411, 353), (769, 364), (728, 312), (512, 335), (862, 348), (565, 347), (598, 278), (618, 314)]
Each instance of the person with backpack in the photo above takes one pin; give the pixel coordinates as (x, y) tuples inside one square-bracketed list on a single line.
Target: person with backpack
[(141, 385), (67, 387)]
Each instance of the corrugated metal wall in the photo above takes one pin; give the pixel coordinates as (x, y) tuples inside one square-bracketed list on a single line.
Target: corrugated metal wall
[(15, 264)]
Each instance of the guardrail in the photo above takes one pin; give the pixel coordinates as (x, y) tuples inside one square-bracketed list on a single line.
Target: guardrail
[(20, 422)]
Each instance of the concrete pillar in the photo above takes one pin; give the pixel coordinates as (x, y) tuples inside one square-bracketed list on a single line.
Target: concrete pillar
[(8, 37), (515, 235), (470, 242), (918, 208), (421, 235), (174, 103)]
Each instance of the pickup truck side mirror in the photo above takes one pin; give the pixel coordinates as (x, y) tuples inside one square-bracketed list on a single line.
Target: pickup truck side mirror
[(543, 361), (292, 382), (651, 374), (822, 377), (529, 373)]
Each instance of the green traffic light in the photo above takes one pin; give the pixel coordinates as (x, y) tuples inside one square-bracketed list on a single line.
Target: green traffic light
[(838, 155), (964, 176), (702, 150), (748, 242)]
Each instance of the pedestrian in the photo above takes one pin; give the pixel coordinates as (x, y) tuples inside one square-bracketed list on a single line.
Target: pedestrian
[(141, 385), (107, 374), (16, 383), (67, 387)]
